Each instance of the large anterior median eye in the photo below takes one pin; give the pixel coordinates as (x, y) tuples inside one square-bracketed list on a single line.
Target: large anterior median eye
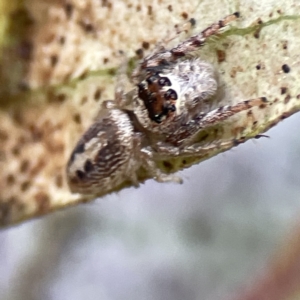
[(170, 95)]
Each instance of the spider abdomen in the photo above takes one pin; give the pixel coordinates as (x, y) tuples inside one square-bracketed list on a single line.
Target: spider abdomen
[(103, 156)]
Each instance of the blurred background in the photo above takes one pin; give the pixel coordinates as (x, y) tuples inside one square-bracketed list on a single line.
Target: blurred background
[(213, 237)]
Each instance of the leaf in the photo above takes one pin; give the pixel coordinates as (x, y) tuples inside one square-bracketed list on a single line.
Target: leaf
[(67, 57)]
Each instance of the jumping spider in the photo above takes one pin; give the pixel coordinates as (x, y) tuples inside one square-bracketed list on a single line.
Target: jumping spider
[(159, 118)]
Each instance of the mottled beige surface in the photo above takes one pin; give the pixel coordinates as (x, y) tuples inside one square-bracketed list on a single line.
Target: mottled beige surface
[(75, 48)]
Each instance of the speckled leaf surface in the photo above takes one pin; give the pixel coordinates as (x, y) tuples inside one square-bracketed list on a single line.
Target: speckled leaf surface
[(66, 60)]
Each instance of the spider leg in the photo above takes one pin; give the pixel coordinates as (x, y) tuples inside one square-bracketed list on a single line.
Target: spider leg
[(182, 49), (185, 27), (154, 171), (198, 150), (224, 112), (198, 40), (121, 99), (121, 78), (184, 137)]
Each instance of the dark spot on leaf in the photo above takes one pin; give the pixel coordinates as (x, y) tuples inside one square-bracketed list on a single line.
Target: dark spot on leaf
[(184, 15), (139, 53), (61, 98), (192, 21), (69, 10), (287, 99), (77, 118), (62, 40), (145, 45), (43, 202), (283, 90), (53, 60), (262, 106), (221, 55), (286, 68), (25, 185), (97, 94), (59, 181), (24, 166), (10, 179)]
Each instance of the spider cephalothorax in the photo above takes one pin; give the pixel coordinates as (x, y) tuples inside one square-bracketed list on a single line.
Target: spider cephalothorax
[(178, 92), (169, 106)]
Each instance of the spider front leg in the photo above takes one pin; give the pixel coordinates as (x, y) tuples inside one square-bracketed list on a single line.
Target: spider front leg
[(224, 112), (121, 79), (163, 57), (182, 142), (121, 99), (198, 151), (198, 40), (147, 155), (186, 27)]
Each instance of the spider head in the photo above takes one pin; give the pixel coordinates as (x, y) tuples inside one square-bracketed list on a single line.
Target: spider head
[(158, 98)]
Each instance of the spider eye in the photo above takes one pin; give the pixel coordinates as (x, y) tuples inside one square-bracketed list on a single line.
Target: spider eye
[(170, 95), (164, 81), (152, 98), (151, 79), (172, 108), (157, 118), (141, 86)]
